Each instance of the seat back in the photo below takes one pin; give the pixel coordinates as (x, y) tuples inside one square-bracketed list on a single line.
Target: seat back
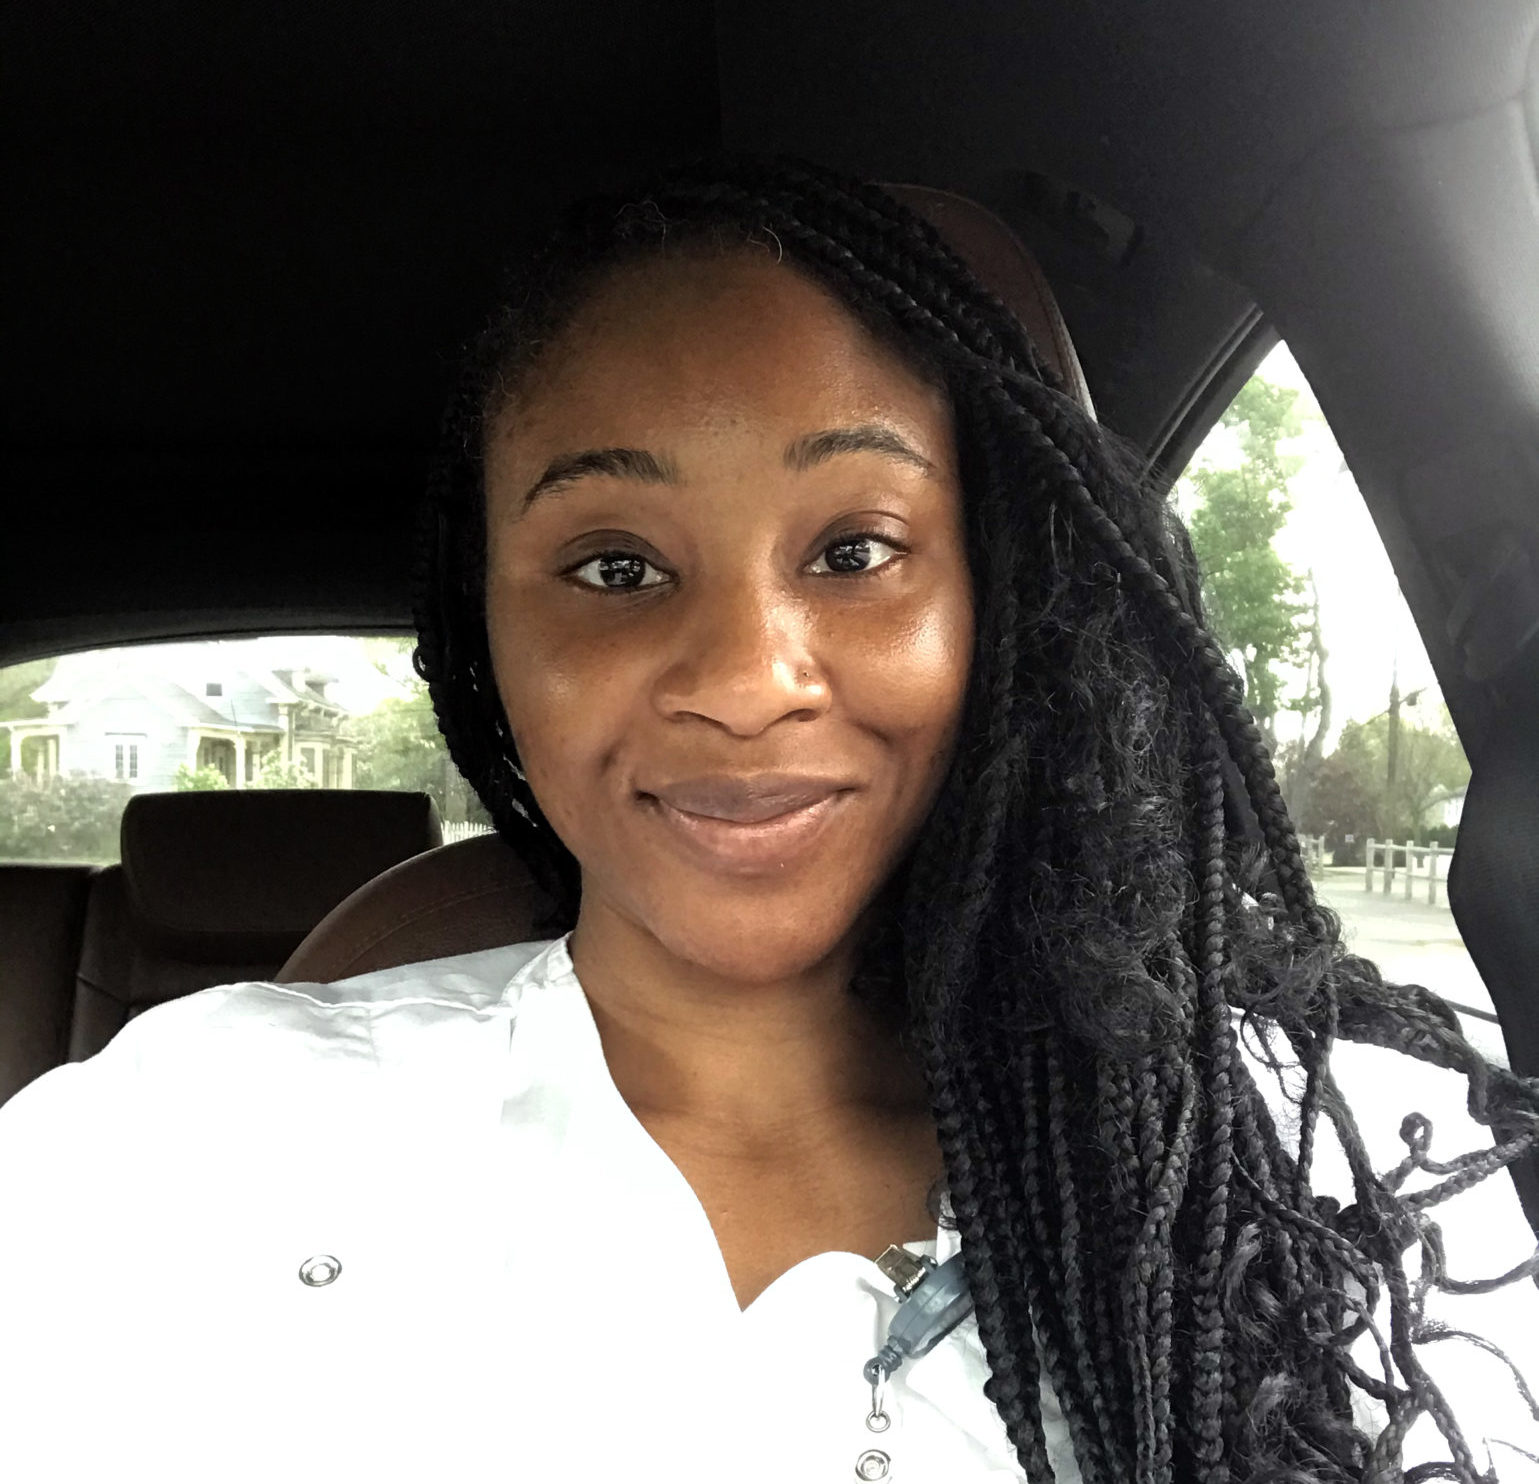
[(459, 898), (213, 887), (42, 919)]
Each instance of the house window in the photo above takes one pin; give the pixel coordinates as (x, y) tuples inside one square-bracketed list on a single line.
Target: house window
[(214, 688), (125, 758)]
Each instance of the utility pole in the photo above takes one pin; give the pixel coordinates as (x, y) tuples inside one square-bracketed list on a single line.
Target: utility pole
[(1394, 725)]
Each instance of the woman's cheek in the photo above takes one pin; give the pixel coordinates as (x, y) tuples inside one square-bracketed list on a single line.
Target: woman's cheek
[(905, 671), (564, 694)]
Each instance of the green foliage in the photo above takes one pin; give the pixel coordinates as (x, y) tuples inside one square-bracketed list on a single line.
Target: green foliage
[(61, 818), (273, 772), (400, 747), (1344, 800), (1352, 793), (199, 780), (17, 682), (1253, 596)]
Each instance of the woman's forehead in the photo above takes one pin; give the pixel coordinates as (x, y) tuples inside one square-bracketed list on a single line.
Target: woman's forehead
[(712, 343)]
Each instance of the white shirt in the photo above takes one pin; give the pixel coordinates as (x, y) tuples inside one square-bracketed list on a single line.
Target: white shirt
[(529, 1289)]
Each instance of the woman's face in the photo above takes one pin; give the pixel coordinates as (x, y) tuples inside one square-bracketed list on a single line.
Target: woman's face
[(729, 607)]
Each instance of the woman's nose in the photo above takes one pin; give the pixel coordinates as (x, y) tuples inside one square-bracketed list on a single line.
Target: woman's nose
[(743, 662)]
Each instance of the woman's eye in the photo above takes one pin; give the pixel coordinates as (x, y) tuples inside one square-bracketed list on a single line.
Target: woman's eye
[(618, 570), (854, 554)]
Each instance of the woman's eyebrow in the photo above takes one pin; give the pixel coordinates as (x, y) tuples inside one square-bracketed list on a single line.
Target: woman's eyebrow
[(617, 463), (816, 448)]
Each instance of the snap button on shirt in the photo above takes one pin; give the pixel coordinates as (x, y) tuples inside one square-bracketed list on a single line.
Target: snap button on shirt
[(317, 1272), (501, 1275)]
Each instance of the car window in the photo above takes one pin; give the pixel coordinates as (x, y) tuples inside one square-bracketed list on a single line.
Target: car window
[(1301, 594), (82, 733)]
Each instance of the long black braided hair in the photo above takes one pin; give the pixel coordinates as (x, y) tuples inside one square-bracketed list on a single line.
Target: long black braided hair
[(1077, 941)]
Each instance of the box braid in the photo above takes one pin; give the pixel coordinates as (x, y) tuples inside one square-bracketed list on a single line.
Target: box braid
[(1076, 936)]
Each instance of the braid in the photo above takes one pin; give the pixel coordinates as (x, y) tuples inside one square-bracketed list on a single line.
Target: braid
[(1078, 947)]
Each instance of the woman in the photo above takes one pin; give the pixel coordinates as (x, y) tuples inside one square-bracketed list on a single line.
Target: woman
[(857, 712)]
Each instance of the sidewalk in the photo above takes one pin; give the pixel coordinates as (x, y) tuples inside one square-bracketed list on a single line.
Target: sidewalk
[(1411, 943)]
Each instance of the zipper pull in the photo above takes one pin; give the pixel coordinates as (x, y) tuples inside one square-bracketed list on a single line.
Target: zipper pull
[(932, 1300)]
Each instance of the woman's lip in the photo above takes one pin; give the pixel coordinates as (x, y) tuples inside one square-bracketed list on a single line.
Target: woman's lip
[(748, 845), (745, 798)]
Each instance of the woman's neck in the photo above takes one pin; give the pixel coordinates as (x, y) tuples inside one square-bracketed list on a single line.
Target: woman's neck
[(753, 1060)]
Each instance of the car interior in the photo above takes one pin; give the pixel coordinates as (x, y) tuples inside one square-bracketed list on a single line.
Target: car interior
[(245, 243)]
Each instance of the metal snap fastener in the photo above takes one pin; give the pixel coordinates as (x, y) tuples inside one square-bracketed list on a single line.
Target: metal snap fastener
[(872, 1464), (318, 1271)]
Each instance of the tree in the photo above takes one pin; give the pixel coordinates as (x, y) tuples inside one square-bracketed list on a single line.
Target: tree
[(1252, 595), (1353, 794), (62, 818), (1302, 761), (1344, 805), (206, 779), (400, 747), (273, 772)]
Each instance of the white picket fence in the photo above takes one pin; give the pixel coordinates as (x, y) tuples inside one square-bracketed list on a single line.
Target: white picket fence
[(463, 829), (1412, 862)]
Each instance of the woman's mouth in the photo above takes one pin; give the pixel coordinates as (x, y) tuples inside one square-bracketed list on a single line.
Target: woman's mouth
[(746, 825)]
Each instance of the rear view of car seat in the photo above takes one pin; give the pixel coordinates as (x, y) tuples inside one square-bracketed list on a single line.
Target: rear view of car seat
[(213, 887)]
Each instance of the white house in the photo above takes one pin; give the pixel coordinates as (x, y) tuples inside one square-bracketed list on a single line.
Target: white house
[(141, 714)]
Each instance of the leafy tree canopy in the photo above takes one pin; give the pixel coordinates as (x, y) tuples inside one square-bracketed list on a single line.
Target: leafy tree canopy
[(1354, 795), (400, 747), (206, 779), (17, 682), (67, 818), (1253, 597)]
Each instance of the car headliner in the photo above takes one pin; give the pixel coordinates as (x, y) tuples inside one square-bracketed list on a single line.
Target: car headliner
[(244, 242)]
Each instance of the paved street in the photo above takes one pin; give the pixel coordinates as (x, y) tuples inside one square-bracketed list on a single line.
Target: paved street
[(1483, 1228), (1410, 941)]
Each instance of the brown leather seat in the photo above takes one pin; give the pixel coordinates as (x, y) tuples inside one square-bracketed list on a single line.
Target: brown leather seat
[(477, 894), (456, 899), (213, 887), (42, 918)]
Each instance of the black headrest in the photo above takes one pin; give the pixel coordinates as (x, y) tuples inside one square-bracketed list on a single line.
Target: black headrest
[(243, 875)]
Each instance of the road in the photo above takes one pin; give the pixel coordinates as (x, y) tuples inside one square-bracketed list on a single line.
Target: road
[(1415, 943), (1411, 942)]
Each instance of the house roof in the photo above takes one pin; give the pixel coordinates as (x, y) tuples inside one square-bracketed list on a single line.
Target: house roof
[(256, 678)]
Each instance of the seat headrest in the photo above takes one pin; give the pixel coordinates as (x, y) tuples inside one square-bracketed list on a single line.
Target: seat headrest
[(242, 876), (1003, 264)]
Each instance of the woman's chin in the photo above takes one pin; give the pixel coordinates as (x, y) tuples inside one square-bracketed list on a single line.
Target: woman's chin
[(752, 943)]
